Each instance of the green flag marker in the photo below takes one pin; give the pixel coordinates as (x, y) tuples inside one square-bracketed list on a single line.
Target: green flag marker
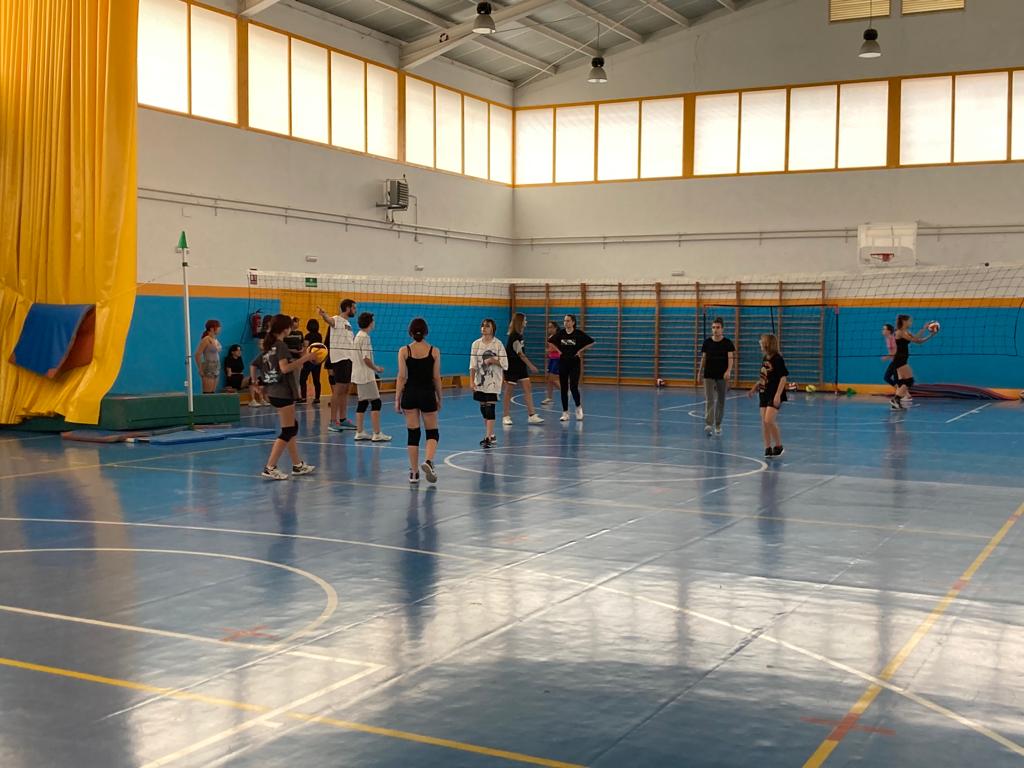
[(182, 242)]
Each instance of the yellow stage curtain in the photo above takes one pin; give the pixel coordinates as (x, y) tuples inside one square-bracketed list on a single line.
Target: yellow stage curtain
[(67, 188)]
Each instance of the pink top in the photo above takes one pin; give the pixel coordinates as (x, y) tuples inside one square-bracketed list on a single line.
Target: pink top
[(890, 344), (553, 353)]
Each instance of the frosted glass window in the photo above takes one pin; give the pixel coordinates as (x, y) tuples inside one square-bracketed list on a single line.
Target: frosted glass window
[(843, 10), (381, 111), (716, 134), (268, 80), (1017, 153), (812, 128), (574, 150), (981, 103), (661, 138), (501, 144), (763, 131), (449, 130), (348, 102), (419, 122), (163, 54), (534, 137), (215, 59), (926, 107), (927, 6), (474, 121), (863, 124), (309, 91), (618, 140)]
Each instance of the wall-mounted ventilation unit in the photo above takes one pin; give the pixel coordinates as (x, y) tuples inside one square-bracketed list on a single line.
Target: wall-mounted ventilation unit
[(396, 195)]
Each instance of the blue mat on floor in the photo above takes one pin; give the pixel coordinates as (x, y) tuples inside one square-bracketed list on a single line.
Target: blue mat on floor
[(209, 435)]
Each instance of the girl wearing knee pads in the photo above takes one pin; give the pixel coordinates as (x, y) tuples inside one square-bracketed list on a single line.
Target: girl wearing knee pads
[(280, 374), (901, 359), (487, 364), (418, 396), (364, 376)]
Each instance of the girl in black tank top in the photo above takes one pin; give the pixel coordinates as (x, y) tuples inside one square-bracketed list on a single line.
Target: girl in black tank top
[(418, 396), (901, 360)]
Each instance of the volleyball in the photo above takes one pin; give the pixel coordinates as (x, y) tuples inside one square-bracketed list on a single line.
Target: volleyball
[(934, 326), (811, 389), (319, 352)]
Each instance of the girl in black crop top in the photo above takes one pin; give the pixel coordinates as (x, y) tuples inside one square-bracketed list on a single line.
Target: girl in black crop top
[(418, 396), (901, 359)]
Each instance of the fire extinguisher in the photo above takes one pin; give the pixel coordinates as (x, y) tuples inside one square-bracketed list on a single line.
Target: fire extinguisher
[(255, 322)]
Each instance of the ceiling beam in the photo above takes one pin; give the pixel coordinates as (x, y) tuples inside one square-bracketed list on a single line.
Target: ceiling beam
[(421, 14), (730, 4), (604, 21), (251, 7), (538, 26), (664, 10), (431, 46), (523, 58)]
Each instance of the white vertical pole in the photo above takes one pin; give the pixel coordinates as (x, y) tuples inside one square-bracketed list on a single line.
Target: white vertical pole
[(188, 334)]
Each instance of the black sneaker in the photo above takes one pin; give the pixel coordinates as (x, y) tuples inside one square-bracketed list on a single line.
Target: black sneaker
[(778, 450), (896, 404), (769, 453), (489, 442), (428, 471), (414, 476)]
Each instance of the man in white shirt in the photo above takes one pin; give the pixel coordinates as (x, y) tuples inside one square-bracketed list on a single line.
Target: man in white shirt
[(343, 349), (364, 376)]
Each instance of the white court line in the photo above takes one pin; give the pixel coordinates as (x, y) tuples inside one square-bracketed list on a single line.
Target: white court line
[(979, 408), (699, 402), (260, 720)]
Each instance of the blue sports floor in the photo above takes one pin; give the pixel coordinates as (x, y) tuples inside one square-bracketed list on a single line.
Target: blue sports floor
[(618, 592)]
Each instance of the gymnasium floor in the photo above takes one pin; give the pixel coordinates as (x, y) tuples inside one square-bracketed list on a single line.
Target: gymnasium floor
[(617, 592)]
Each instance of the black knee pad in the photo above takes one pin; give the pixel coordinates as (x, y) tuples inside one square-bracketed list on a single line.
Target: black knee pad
[(289, 433), (487, 410), (414, 436), (907, 382), (375, 404), (362, 405), (433, 434)]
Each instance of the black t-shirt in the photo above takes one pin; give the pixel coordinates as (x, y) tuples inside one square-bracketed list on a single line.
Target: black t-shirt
[(717, 357), (569, 344), (294, 340), (233, 364), (513, 347), (772, 370)]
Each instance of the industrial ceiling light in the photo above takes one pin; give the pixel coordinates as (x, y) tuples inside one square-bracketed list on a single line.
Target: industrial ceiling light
[(484, 24), (597, 73), (870, 49)]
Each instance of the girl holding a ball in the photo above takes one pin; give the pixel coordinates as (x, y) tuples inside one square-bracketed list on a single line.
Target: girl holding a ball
[(901, 359), (279, 370)]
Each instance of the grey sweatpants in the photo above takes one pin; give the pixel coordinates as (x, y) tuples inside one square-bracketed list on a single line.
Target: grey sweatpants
[(714, 394)]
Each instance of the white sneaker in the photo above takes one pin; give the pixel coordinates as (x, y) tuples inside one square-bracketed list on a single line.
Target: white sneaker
[(302, 468), (579, 413), (362, 436), (380, 437), (546, 401), (506, 421), (427, 467), (273, 473), (718, 431), (535, 419), (565, 416), (708, 429)]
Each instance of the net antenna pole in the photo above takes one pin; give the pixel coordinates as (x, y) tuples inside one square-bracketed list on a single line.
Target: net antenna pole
[(183, 249)]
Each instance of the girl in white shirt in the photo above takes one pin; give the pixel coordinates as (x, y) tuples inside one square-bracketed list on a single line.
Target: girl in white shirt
[(364, 376), (487, 363)]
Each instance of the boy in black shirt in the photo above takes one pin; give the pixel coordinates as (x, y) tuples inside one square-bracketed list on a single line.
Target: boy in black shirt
[(716, 358)]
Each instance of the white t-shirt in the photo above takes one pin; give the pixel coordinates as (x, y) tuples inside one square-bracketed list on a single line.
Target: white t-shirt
[(343, 343), (487, 378), (361, 372)]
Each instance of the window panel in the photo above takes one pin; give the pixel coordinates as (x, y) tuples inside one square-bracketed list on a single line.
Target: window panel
[(1017, 153), (348, 102), (574, 150), (863, 124), (927, 6), (763, 131), (979, 132), (163, 54), (381, 111), (214, 54), (618, 140), (843, 10), (474, 121), (419, 122), (661, 138), (716, 134), (449, 130), (268, 80), (309, 91), (534, 138), (501, 144), (926, 106), (812, 128)]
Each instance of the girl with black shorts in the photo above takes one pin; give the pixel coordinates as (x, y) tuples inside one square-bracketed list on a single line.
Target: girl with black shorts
[(519, 369), (901, 359), (771, 389), (280, 375), (418, 396)]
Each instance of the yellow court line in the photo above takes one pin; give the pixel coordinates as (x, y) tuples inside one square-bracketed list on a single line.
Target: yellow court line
[(828, 745), (243, 706)]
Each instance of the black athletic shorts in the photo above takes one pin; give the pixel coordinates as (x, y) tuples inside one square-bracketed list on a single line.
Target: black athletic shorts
[(423, 400), (485, 397), (281, 402), (513, 377), (767, 400), (340, 373)]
